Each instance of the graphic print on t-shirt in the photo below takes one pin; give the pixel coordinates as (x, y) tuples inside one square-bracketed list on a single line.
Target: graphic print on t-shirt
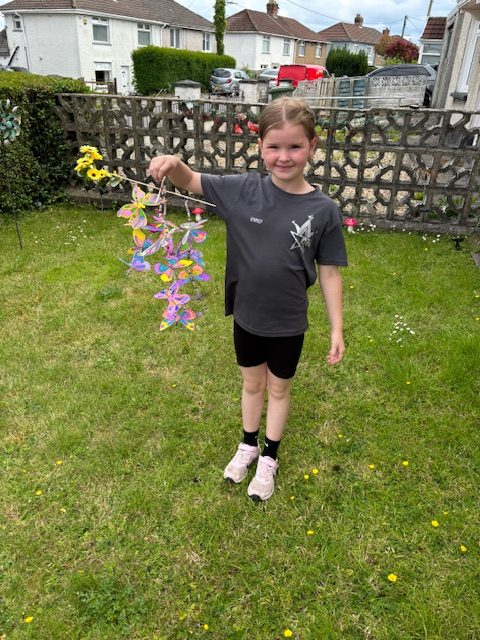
[(302, 235)]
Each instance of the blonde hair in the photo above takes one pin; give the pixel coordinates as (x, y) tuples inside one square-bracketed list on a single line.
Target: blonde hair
[(287, 110)]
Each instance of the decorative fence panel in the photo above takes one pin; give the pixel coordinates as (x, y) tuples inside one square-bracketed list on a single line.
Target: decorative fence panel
[(418, 169)]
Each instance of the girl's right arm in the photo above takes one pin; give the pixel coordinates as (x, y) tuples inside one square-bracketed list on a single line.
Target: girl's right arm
[(177, 171)]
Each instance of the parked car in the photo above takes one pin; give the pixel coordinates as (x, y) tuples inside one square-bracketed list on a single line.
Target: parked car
[(410, 70), (294, 73), (269, 75), (226, 80)]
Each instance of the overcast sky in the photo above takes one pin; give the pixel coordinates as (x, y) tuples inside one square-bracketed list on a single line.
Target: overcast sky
[(318, 15)]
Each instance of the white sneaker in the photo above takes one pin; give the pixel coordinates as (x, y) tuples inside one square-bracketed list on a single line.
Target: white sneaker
[(263, 483), (237, 468)]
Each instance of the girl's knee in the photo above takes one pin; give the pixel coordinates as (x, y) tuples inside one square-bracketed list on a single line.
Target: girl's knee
[(278, 388), (254, 386)]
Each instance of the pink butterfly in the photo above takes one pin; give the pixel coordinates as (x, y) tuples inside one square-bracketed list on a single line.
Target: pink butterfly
[(185, 318), (174, 298), (196, 273)]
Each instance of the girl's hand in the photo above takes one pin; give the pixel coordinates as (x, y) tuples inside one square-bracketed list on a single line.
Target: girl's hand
[(162, 166), (337, 349)]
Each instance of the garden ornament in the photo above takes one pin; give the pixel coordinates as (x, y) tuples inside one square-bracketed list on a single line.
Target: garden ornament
[(178, 260), (350, 223), (458, 240)]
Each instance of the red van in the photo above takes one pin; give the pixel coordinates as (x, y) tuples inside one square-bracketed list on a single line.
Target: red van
[(293, 73)]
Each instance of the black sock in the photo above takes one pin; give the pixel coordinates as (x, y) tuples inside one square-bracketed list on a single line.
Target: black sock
[(251, 438), (270, 448)]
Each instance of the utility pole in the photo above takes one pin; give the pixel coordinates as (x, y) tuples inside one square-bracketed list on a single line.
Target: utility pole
[(429, 8), (404, 25)]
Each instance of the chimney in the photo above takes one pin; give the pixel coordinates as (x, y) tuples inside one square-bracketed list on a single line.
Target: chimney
[(272, 8), (386, 32), (358, 20)]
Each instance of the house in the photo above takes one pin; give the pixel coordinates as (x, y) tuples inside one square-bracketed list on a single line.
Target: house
[(4, 50), (458, 77), (259, 40), (354, 38), (431, 41), (94, 39)]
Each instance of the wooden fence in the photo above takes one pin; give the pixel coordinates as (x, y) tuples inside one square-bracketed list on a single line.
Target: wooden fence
[(410, 168)]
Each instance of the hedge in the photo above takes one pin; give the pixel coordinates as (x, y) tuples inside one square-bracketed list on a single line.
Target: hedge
[(345, 63), (156, 68), (35, 168)]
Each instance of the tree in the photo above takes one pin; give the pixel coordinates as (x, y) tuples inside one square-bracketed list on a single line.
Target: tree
[(344, 63), (220, 25), (402, 50), (382, 44)]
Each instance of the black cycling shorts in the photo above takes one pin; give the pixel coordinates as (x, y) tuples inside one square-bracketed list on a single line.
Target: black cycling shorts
[(281, 354)]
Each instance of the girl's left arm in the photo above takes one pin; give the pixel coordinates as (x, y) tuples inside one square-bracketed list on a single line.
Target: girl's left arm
[(331, 284)]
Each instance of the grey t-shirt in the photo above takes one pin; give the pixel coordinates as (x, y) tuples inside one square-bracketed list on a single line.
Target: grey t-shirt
[(274, 239)]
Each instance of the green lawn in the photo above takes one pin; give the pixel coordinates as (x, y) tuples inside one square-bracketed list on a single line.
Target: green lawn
[(115, 521)]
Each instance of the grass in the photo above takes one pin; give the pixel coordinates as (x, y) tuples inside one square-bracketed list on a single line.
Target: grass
[(115, 522)]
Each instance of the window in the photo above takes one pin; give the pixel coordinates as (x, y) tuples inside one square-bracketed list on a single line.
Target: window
[(370, 55), (100, 30), (207, 41), (318, 50), (144, 34), (17, 22), (175, 38), (266, 44), (103, 72), (301, 48), (286, 47), (473, 43)]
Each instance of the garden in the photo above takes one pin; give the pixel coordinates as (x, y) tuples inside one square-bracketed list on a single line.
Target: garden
[(116, 521)]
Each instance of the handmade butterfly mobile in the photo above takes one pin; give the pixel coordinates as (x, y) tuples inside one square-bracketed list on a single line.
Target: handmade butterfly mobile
[(177, 262)]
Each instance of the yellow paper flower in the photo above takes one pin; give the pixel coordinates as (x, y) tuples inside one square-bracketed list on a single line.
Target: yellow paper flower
[(28, 619), (392, 577), (463, 548), (435, 523), (287, 633), (93, 174)]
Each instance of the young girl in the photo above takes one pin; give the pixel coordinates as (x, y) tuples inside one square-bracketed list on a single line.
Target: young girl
[(278, 227)]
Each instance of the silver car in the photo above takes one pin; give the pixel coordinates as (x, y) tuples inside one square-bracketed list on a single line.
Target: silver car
[(226, 80)]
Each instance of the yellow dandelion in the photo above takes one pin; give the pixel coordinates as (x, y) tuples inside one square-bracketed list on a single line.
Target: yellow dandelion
[(405, 463), (340, 435), (38, 492), (63, 510), (352, 286), (463, 548), (435, 524), (445, 513), (315, 471), (310, 532), (392, 577), (371, 466), (59, 462), (306, 476), (408, 382), (292, 497), (205, 627), (287, 633), (28, 619)]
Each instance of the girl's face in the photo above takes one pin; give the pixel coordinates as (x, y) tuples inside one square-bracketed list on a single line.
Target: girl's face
[(286, 151)]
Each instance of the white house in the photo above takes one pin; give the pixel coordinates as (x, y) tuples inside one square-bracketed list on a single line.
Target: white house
[(458, 78), (431, 41), (258, 40), (94, 39), (354, 38)]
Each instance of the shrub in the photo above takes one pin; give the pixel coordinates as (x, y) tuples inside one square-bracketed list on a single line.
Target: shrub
[(344, 63), (402, 50), (157, 68), (35, 168)]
